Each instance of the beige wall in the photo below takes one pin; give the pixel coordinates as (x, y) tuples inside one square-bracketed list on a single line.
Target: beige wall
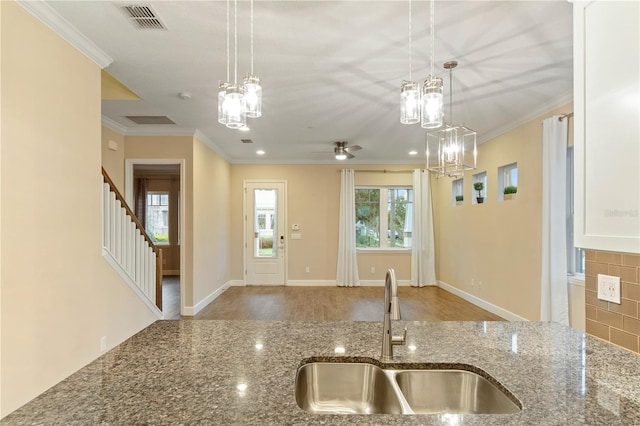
[(172, 148), (211, 228), (53, 315), (496, 243), (313, 202), (113, 160)]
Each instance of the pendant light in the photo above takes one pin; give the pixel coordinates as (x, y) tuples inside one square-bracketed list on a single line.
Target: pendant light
[(222, 85), (253, 90), (409, 90), (452, 149), (432, 102), (234, 104), (422, 106)]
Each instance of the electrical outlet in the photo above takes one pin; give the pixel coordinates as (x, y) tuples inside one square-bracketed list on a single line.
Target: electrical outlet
[(307, 269), (373, 269), (103, 343), (609, 288)]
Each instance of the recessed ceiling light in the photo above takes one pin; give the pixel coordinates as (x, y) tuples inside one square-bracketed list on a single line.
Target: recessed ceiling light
[(260, 152), (413, 152)]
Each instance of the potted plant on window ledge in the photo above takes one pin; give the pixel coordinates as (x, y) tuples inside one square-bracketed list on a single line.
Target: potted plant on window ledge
[(479, 186), (510, 192), (459, 199)]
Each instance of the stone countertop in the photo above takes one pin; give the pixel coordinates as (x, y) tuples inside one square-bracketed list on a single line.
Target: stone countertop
[(189, 372)]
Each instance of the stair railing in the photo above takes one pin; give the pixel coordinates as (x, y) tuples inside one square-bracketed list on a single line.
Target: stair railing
[(125, 240)]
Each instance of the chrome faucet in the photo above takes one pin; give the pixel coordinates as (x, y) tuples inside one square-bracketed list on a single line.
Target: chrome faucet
[(391, 312)]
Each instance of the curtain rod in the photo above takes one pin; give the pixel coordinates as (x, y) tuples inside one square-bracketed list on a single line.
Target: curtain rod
[(381, 171), (563, 116)]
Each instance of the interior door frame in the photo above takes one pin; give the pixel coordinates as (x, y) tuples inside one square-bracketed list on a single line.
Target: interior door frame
[(245, 224), (128, 195)]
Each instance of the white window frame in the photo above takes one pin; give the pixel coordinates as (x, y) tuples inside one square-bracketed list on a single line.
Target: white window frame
[(574, 254), (167, 193), (384, 225)]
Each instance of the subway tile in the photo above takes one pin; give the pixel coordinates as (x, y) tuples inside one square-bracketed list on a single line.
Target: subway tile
[(590, 312), (626, 340), (626, 307), (590, 255), (591, 298), (609, 257), (591, 283), (609, 318), (630, 291), (631, 259), (595, 268), (631, 325), (596, 329), (628, 274)]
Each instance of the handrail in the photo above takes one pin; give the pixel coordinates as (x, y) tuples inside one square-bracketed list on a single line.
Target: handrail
[(143, 232), (130, 212)]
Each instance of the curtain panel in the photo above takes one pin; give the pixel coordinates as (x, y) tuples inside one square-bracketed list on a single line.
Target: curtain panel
[(423, 264), (347, 273)]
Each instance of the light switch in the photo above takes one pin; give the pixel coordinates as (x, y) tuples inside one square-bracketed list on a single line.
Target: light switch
[(296, 236), (609, 288)]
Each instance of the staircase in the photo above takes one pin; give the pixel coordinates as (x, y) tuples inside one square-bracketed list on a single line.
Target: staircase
[(128, 248)]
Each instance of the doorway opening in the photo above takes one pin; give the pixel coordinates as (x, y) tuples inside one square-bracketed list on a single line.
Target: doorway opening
[(155, 191)]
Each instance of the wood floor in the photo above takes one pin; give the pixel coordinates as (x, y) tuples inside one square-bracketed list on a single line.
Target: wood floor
[(332, 303)]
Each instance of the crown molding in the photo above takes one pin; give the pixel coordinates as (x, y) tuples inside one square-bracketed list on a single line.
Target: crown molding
[(113, 125), (211, 145), (557, 103), (59, 25)]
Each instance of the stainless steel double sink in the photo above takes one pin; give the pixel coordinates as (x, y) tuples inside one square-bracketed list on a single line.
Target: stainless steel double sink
[(365, 388)]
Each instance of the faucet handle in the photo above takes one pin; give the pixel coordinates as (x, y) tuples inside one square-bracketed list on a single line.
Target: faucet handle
[(399, 340)]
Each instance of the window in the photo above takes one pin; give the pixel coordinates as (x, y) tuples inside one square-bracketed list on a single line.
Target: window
[(157, 220), (575, 256), (383, 217), (507, 178)]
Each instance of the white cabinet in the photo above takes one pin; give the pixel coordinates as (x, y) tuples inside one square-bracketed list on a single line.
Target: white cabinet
[(607, 125)]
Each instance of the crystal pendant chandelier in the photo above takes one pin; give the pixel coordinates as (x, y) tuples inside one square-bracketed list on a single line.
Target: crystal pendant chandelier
[(237, 101), (252, 88), (451, 150), (426, 107)]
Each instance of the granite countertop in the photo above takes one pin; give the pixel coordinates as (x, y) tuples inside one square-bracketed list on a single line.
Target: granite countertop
[(188, 372)]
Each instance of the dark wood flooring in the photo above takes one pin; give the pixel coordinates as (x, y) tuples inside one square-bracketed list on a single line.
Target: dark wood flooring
[(327, 303)]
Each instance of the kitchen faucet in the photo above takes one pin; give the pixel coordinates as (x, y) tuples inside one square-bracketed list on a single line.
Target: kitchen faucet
[(391, 312)]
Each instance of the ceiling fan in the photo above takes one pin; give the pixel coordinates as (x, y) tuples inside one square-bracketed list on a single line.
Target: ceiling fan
[(342, 151)]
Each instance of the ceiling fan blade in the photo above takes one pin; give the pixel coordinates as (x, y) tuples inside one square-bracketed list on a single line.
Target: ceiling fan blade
[(350, 155), (353, 148)]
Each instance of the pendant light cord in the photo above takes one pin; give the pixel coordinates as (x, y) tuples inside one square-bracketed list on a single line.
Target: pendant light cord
[(433, 31), (451, 95), (235, 42), (227, 41), (410, 41), (251, 37)]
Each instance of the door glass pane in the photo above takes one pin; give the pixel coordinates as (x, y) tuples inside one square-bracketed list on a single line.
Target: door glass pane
[(265, 232), (157, 220)]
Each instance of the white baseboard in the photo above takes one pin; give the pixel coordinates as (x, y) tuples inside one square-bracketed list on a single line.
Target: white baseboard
[(237, 283), (127, 279), (190, 311), (380, 283), (497, 310), (311, 283)]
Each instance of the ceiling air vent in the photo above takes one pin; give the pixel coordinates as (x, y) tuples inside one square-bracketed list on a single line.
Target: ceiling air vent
[(246, 140), (150, 119), (144, 17)]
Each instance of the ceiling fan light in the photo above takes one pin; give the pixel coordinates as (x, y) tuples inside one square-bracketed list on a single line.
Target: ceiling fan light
[(432, 103), (341, 156), (409, 102), (234, 108), (222, 91), (253, 96)]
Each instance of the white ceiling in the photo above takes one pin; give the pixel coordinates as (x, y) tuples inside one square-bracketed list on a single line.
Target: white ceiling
[(331, 70)]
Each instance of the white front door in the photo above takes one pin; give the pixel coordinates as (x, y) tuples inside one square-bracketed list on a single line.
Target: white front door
[(265, 232)]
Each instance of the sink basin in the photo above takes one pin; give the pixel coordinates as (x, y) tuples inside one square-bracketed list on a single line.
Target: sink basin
[(362, 388), (452, 391), (345, 388)]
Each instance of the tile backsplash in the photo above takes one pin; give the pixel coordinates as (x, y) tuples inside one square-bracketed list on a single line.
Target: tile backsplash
[(615, 323)]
